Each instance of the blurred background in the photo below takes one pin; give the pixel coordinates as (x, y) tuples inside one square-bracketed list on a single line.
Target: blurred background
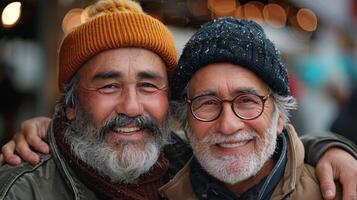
[(316, 39)]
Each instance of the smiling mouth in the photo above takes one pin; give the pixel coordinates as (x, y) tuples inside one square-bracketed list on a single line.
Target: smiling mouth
[(233, 144), (126, 130)]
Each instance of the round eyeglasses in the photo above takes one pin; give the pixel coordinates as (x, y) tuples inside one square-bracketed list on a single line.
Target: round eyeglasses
[(208, 108)]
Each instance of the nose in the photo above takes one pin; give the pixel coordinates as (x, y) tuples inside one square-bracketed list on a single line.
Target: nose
[(228, 123), (130, 104)]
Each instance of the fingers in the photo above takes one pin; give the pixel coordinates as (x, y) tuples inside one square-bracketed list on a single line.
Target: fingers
[(349, 192), (31, 134), (37, 143), (339, 165), (23, 149), (42, 126), (349, 186), (8, 153), (324, 173), (34, 131)]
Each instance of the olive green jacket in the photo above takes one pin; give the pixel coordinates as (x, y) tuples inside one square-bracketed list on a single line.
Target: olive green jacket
[(50, 179)]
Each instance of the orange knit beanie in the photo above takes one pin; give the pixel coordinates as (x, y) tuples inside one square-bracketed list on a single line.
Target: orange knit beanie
[(111, 24)]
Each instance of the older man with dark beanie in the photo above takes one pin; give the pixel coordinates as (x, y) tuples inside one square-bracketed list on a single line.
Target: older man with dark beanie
[(232, 96)]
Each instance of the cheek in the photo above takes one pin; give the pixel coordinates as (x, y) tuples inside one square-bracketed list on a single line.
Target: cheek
[(99, 108), (261, 124), (257, 125), (200, 129), (156, 107)]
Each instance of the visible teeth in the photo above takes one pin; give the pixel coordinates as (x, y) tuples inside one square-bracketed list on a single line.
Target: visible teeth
[(127, 129), (233, 145)]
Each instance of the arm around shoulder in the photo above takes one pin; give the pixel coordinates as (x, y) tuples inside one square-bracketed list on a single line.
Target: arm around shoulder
[(317, 145)]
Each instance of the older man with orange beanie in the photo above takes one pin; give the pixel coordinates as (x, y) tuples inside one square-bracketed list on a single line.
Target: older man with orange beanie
[(110, 123), (109, 132)]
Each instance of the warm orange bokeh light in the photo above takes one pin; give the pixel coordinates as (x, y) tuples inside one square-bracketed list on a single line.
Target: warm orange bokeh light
[(221, 8), (238, 13), (274, 15), (253, 12), (306, 19)]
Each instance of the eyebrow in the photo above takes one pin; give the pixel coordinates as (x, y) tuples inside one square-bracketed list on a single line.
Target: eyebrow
[(116, 75), (149, 75), (107, 75), (247, 91), (203, 93), (236, 92)]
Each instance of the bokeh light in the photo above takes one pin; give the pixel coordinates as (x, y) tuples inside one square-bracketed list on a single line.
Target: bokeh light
[(253, 11), (307, 19), (238, 13), (221, 8), (11, 14), (274, 15)]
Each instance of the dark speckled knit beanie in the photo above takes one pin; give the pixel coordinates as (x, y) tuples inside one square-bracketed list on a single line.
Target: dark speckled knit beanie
[(239, 42)]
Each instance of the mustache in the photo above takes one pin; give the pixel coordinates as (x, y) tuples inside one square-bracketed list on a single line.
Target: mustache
[(239, 136), (141, 121)]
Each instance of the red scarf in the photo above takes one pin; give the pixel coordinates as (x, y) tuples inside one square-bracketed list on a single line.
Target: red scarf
[(145, 189)]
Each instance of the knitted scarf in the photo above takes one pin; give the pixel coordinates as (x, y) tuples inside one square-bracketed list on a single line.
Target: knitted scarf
[(145, 189)]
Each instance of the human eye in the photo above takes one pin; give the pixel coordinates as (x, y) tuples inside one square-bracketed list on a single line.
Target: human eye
[(205, 102), (148, 87), (247, 100), (210, 102), (109, 88)]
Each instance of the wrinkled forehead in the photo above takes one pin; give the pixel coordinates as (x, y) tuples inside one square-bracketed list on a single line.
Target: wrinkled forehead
[(226, 80), (125, 61)]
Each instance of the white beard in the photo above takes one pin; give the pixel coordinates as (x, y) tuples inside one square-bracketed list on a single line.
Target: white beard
[(125, 164), (232, 169)]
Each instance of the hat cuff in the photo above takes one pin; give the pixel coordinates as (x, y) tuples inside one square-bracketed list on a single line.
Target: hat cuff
[(115, 30)]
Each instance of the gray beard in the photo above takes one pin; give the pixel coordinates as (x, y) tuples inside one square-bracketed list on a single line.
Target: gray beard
[(124, 163), (233, 169)]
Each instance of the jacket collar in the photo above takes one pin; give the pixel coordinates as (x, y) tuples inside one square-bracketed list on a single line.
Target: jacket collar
[(294, 166), (80, 191)]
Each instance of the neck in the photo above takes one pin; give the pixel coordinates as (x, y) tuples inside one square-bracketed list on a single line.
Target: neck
[(243, 186)]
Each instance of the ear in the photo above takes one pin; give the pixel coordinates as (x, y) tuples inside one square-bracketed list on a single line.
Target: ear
[(280, 125), (70, 113)]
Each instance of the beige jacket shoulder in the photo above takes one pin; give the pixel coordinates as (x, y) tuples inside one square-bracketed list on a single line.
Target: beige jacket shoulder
[(299, 180)]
